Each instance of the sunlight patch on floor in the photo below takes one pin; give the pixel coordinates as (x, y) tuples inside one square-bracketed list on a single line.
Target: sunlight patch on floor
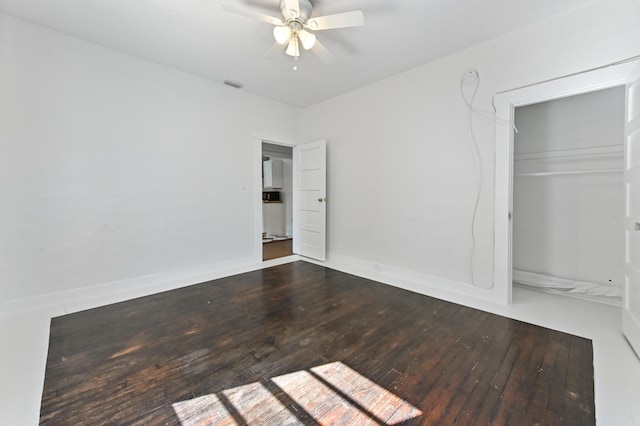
[(323, 395), (256, 404), (206, 409)]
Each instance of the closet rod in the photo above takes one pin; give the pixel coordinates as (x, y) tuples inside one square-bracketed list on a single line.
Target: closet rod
[(571, 172)]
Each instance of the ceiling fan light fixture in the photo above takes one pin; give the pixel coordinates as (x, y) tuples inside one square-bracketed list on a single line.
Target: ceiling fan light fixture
[(296, 28), (308, 40), (293, 49), (282, 34)]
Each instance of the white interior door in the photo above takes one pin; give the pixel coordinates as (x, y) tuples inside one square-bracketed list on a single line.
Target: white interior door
[(631, 308), (309, 199)]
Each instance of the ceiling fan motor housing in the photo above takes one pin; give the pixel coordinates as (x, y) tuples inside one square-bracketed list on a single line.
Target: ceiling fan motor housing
[(305, 11)]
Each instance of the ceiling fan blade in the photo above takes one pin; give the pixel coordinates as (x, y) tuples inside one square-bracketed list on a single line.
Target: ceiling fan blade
[(251, 14), (323, 53), (292, 8), (276, 50), (354, 18)]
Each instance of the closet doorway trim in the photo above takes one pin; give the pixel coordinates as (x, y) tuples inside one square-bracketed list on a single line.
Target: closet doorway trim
[(505, 104)]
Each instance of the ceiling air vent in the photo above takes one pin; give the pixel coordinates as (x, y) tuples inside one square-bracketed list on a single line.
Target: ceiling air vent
[(233, 84)]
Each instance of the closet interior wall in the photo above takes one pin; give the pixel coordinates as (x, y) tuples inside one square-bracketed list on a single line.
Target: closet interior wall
[(568, 196)]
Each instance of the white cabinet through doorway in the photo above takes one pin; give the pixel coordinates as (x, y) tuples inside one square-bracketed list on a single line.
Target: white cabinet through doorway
[(273, 219), (272, 170)]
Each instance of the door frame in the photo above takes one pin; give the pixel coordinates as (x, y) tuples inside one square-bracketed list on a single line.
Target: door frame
[(505, 104), (258, 139)]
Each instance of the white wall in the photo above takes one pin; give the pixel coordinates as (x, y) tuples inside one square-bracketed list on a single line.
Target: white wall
[(401, 186), (571, 225), (112, 167)]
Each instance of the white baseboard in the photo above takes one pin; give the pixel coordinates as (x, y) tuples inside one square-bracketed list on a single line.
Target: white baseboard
[(66, 302), (428, 285)]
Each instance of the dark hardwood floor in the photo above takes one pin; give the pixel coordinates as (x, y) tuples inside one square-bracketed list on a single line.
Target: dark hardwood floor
[(302, 344)]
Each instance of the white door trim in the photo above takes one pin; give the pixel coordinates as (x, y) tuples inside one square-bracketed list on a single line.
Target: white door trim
[(505, 104), (258, 139), (631, 305)]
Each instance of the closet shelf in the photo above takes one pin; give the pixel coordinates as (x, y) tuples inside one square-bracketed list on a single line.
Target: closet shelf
[(568, 172), (595, 152)]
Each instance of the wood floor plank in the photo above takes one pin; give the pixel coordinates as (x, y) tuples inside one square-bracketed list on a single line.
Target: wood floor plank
[(302, 344)]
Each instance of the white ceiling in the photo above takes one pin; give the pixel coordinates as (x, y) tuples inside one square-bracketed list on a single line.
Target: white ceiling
[(197, 37)]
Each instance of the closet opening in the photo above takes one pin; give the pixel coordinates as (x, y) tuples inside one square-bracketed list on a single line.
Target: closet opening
[(569, 196)]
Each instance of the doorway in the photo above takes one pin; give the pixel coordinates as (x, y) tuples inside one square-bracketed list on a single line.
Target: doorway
[(277, 201), (309, 196)]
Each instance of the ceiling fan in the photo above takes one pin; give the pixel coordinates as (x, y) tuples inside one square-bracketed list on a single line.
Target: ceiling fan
[(295, 27)]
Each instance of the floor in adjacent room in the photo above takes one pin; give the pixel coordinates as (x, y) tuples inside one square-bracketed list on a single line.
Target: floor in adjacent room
[(276, 248), (299, 342)]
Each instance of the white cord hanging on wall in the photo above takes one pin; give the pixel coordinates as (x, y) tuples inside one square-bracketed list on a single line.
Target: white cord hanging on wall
[(470, 81), (471, 78)]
